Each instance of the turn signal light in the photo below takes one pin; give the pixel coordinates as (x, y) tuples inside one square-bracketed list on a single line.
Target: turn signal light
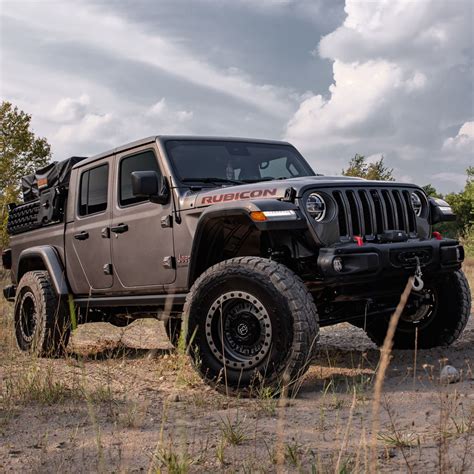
[(258, 216)]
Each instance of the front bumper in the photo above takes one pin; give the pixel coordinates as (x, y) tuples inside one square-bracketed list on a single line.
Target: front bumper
[(390, 259)]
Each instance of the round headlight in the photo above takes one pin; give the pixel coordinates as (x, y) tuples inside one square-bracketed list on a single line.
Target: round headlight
[(417, 204), (316, 206)]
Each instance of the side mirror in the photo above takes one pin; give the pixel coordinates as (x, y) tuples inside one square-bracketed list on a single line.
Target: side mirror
[(148, 184), (440, 211)]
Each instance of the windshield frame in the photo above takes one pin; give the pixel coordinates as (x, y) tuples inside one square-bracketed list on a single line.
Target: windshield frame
[(186, 181)]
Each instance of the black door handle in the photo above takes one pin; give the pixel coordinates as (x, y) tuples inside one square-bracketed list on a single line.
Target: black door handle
[(119, 229), (82, 235)]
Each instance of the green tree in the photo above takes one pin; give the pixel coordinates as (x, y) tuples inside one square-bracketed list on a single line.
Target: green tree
[(21, 153), (431, 191), (463, 203), (377, 170)]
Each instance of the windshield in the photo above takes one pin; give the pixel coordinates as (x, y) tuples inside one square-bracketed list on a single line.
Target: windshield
[(234, 162)]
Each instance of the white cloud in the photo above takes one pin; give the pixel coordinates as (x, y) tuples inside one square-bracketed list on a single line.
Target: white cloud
[(92, 26), (94, 129), (184, 115), (91, 128), (358, 93), (69, 109), (463, 141), (158, 109), (403, 30), (402, 77), (161, 110)]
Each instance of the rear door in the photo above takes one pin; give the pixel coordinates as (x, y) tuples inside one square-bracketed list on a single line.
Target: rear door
[(142, 242), (89, 257)]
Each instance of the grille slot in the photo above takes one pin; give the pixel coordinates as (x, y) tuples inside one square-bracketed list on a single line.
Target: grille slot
[(372, 211), (380, 218), (341, 214), (356, 215), (368, 212), (391, 223), (401, 212), (410, 212)]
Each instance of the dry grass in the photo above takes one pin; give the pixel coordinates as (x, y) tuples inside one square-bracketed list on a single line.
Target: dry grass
[(468, 269), (128, 412)]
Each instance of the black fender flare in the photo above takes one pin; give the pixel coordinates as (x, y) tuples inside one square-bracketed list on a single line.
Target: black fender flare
[(243, 209), (52, 263)]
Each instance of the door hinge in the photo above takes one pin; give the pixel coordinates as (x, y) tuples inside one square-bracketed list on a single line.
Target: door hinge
[(167, 221), (107, 268), (169, 262)]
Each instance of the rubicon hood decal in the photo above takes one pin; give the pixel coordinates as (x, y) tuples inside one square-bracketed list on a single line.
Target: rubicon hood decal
[(248, 194)]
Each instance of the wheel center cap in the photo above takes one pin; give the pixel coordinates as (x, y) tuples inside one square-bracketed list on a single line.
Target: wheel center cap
[(242, 329)]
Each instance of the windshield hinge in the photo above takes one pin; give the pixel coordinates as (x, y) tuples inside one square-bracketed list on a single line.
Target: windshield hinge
[(290, 195)]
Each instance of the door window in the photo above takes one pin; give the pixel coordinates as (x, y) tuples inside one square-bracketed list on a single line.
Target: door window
[(93, 190), (145, 161)]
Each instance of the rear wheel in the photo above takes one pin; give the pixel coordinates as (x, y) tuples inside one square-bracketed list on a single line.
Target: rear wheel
[(251, 320), (438, 319), (41, 319)]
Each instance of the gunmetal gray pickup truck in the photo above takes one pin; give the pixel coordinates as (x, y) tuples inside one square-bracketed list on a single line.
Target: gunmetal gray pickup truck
[(238, 238)]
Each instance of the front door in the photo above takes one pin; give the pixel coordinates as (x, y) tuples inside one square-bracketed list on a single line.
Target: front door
[(142, 245), (89, 258)]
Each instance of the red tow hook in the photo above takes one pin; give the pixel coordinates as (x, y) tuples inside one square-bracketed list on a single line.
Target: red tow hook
[(437, 235), (359, 240)]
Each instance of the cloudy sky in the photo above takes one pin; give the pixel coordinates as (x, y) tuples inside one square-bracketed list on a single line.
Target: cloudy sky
[(387, 77)]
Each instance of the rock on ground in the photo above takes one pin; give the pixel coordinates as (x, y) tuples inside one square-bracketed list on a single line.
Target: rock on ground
[(94, 338)]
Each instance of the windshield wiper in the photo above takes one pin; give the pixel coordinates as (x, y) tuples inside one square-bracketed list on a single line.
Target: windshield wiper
[(211, 180), (267, 178), (257, 180)]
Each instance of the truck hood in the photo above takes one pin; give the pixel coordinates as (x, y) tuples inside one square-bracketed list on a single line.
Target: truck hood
[(269, 190)]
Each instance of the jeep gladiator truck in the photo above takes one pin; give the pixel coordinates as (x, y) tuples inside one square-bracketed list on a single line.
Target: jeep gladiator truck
[(240, 239)]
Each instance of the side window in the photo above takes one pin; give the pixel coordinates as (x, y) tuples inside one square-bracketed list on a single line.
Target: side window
[(93, 190), (145, 161)]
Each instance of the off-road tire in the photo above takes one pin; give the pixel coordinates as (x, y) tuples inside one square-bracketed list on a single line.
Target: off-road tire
[(42, 323), (445, 325), (286, 302)]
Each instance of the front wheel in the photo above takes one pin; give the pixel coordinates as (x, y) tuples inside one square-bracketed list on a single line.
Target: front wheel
[(438, 321), (250, 320)]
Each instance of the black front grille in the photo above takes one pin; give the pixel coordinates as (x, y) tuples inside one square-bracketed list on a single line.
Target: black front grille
[(371, 212)]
